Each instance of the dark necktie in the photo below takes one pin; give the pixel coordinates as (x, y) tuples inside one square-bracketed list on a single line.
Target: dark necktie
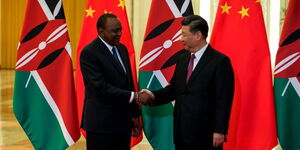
[(190, 67), (114, 52)]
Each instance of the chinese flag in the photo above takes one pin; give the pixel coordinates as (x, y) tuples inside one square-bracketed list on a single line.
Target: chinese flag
[(239, 32), (93, 10)]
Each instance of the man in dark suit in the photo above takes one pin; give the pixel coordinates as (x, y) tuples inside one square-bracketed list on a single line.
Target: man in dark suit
[(202, 85), (110, 113)]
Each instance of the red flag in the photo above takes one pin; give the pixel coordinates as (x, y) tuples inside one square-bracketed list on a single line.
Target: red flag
[(93, 10), (287, 65), (287, 79), (44, 93), (239, 32)]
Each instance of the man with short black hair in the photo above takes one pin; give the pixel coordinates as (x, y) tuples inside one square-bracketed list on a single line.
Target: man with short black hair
[(202, 87), (110, 113)]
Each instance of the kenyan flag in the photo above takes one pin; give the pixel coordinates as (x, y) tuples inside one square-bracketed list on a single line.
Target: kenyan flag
[(44, 94), (287, 80)]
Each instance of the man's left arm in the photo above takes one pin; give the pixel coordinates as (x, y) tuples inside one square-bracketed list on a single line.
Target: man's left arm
[(224, 89), (137, 125)]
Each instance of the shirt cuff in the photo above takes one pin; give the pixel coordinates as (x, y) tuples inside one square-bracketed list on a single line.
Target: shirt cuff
[(131, 97)]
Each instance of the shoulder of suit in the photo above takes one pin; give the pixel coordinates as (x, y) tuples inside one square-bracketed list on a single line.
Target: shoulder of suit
[(184, 53), (93, 45), (121, 46), (216, 53)]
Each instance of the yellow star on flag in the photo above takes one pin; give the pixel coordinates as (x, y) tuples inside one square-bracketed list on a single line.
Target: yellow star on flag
[(257, 1), (106, 12), (225, 8), (121, 4), (89, 12), (244, 12)]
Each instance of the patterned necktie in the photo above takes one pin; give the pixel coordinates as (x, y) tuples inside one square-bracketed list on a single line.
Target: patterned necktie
[(114, 52), (190, 67)]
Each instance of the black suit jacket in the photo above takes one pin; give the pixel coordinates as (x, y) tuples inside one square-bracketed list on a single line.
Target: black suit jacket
[(202, 105), (107, 90)]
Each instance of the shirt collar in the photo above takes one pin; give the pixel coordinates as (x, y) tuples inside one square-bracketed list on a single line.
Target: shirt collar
[(107, 45), (200, 52)]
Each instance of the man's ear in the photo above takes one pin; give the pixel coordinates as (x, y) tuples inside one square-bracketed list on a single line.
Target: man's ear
[(198, 35), (100, 31)]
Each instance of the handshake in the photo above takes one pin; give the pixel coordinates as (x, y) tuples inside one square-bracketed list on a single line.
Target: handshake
[(144, 97)]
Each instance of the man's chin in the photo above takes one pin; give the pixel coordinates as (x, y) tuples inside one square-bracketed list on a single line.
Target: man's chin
[(116, 42)]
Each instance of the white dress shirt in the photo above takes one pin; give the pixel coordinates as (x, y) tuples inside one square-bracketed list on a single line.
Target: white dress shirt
[(198, 55)]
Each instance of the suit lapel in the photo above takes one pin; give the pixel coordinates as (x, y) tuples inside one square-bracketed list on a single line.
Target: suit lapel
[(106, 52), (123, 55), (204, 60), (183, 69), (126, 62)]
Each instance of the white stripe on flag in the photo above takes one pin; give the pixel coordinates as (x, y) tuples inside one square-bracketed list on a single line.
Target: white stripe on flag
[(53, 106), (161, 78), (296, 85), (185, 6), (174, 8), (57, 8), (46, 9), (68, 48)]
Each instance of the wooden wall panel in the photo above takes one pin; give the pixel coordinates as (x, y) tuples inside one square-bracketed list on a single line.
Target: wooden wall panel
[(74, 12), (12, 14)]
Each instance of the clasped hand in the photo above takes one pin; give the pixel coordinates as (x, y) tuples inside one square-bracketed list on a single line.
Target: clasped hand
[(145, 97)]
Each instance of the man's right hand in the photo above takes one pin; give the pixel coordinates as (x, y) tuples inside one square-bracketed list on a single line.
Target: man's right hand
[(145, 97), (218, 139)]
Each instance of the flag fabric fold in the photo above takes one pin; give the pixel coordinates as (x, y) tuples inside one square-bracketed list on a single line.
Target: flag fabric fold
[(239, 32), (44, 98), (93, 10), (160, 50), (287, 80)]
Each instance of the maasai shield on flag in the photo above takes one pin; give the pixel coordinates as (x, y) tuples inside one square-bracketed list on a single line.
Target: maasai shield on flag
[(94, 9), (239, 32), (160, 51), (44, 94), (287, 80)]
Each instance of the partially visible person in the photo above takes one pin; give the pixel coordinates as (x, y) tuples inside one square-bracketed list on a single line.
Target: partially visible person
[(110, 113), (202, 87)]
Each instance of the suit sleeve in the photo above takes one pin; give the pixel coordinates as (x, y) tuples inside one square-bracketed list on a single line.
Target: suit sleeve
[(93, 77), (164, 95), (136, 110), (167, 94), (224, 89)]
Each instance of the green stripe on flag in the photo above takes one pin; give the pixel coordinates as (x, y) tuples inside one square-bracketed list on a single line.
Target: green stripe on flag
[(35, 115), (287, 111), (159, 131), (157, 120)]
